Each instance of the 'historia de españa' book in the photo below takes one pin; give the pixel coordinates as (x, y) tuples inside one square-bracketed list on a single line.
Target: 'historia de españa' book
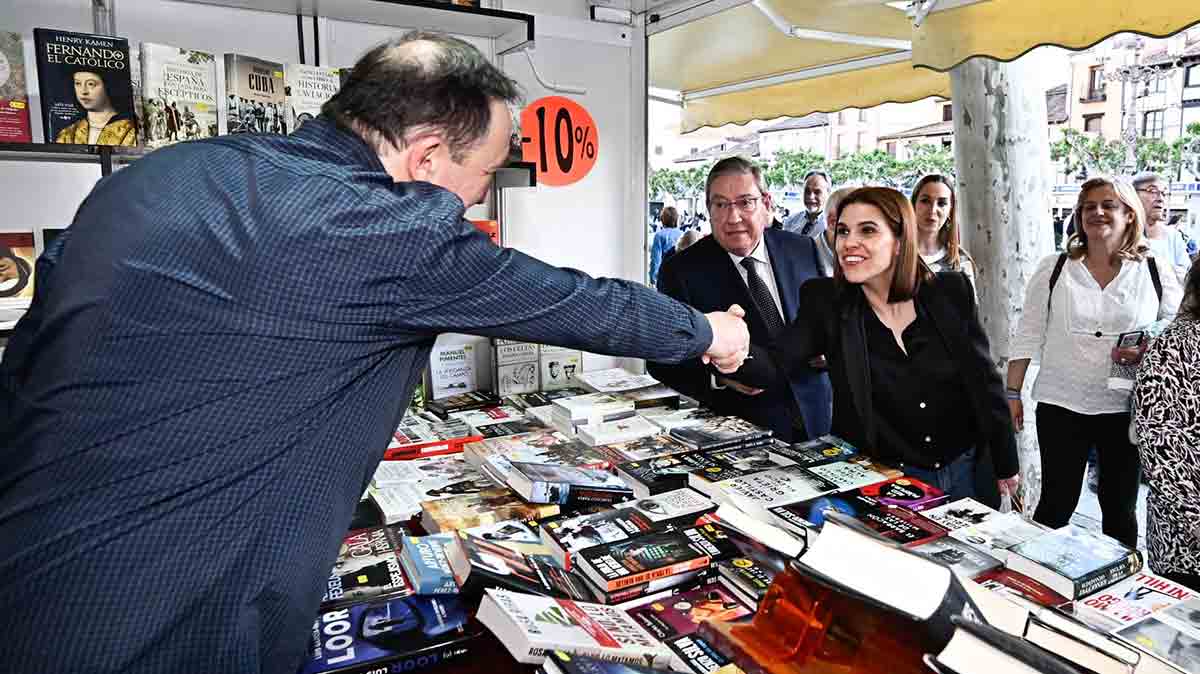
[(179, 94)]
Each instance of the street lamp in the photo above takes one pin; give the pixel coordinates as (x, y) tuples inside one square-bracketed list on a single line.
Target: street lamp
[(1135, 76)]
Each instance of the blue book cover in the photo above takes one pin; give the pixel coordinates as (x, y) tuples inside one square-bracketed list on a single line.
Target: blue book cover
[(394, 635), (424, 560)]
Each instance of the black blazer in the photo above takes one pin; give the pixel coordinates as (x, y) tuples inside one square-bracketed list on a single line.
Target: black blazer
[(834, 326), (704, 277)]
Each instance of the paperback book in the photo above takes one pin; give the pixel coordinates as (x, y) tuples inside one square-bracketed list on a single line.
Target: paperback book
[(656, 475), (307, 88), (746, 577), (969, 561), (255, 101), (892, 522), (719, 432), (478, 419), (1172, 634), (615, 380), (758, 492), (816, 452), (998, 534), (960, 514), (558, 367), (14, 91), (531, 626), (416, 436), (18, 252), (714, 465), (478, 564), (522, 537), (86, 88), (179, 94), (514, 427), (425, 561), (1075, 562), (642, 449), (472, 400), (566, 485), (668, 419), (653, 588), (548, 447), (367, 567), (484, 507), (451, 370), (1130, 601), (390, 636), (677, 505), (906, 492), (1012, 584), (653, 397), (400, 502), (558, 662), (528, 401), (855, 473), (628, 429), (693, 653), (655, 555), (516, 365), (566, 537), (680, 614)]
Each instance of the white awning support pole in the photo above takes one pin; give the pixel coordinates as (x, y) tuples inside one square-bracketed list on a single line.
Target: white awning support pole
[(791, 30)]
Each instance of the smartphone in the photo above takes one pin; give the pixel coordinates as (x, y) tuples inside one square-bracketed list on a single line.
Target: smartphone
[(1129, 340)]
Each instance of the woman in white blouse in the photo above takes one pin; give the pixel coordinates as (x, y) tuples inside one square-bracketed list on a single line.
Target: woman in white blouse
[(1104, 287), (937, 227)]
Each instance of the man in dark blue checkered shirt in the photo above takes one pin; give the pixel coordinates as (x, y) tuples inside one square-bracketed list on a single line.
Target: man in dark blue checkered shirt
[(223, 341)]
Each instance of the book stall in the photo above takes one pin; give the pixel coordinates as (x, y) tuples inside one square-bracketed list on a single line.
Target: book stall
[(548, 512)]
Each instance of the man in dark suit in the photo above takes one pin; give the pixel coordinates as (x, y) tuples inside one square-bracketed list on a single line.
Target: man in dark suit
[(761, 269)]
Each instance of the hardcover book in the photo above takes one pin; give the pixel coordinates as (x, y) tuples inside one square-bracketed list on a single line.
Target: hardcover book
[(485, 507), (367, 567), (969, 561), (566, 537), (255, 101), (531, 626), (306, 88), (86, 88), (718, 432), (451, 370), (565, 485), (179, 95), (516, 366), (892, 522), (1075, 562), (1129, 601), (960, 514), (425, 562), (681, 614), (478, 564), (642, 449), (14, 92), (655, 555), (558, 367), (392, 635)]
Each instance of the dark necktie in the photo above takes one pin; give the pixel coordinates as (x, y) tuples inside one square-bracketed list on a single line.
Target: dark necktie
[(761, 295)]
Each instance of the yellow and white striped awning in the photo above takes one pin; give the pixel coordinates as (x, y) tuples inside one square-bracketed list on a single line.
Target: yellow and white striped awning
[(738, 60)]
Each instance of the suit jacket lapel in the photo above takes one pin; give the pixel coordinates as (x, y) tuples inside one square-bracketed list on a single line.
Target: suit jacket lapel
[(787, 276), (946, 320), (854, 352)]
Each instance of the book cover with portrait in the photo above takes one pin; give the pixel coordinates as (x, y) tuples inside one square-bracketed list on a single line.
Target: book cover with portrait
[(14, 94), (86, 88)]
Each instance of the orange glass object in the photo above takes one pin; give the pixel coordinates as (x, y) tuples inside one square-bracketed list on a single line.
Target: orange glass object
[(805, 627)]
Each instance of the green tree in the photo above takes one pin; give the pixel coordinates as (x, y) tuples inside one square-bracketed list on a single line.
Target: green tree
[(1078, 150), (875, 167), (925, 159), (787, 169)]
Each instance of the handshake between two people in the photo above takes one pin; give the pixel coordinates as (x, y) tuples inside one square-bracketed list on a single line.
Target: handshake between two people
[(731, 339)]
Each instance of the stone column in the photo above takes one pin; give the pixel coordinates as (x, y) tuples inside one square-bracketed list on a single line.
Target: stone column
[(1004, 176)]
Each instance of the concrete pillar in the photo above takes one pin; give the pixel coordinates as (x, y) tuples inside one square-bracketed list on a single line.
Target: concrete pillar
[(1004, 178)]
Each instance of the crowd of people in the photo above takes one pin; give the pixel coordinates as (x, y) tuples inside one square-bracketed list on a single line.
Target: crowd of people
[(891, 322)]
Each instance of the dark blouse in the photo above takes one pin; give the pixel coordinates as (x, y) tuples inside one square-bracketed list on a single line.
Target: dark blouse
[(922, 408)]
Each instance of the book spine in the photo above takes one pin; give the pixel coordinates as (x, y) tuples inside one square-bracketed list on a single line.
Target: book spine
[(1108, 575)]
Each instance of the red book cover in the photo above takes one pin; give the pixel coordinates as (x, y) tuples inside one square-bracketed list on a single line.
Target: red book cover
[(1005, 581), (14, 95), (489, 227)]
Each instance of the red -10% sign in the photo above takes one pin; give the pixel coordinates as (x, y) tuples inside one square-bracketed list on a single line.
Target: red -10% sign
[(560, 137)]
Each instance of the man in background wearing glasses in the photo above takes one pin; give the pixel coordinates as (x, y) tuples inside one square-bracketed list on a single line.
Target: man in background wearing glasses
[(748, 263), (1166, 242)]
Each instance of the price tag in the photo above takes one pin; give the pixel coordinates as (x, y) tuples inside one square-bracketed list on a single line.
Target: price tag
[(561, 138)]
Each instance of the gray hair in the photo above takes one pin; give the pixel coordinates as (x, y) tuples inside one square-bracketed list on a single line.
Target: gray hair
[(1145, 178), (734, 166)]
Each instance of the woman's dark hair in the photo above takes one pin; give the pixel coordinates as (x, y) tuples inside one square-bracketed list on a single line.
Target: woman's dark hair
[(421, 81), (669, 217), (1190, 306), (948, 235), (909, 271)]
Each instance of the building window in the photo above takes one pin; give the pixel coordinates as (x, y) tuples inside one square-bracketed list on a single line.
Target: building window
[(844, 117), (947, 143), (1152, 124), (891, 148), (1192, 79), (947, 113), (862, 142), (1156, 86), (1095, 83), (862, 115), (841, 145), (1092, 123), (658, 150)]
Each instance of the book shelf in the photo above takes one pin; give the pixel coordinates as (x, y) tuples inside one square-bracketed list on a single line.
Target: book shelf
[(511, 30)]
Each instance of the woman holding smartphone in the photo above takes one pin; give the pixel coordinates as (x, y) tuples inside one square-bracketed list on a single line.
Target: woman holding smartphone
[(1106, 285), (914, 386)]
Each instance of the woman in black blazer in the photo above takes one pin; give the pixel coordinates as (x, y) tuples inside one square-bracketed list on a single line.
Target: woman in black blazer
[(913, 381)]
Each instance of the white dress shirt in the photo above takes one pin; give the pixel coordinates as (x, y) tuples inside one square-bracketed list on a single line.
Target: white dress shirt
[(1074, 343), (765, 271)]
